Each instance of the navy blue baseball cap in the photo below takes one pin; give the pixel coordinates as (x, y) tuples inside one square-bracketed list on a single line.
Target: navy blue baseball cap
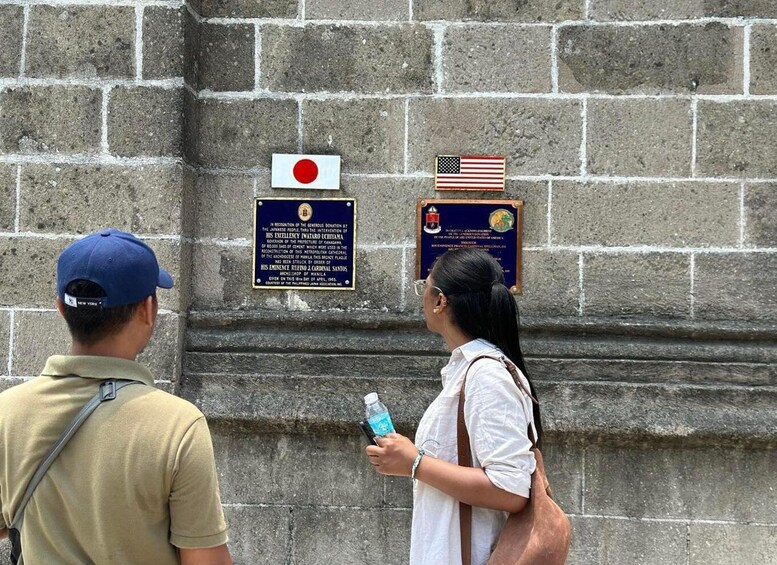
[(125, 268)]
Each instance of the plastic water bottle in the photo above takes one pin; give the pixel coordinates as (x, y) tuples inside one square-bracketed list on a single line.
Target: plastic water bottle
[(378, 415)]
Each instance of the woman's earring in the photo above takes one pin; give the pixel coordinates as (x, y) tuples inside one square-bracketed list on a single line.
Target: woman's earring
[(436, 310)]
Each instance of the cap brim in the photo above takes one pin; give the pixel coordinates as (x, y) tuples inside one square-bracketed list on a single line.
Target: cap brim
[(165, 279)]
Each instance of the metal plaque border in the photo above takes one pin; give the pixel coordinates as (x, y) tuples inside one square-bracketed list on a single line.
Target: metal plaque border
[(516, 204), (353, 260)]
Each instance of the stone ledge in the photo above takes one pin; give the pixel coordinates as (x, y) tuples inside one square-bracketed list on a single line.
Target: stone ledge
[(610, 381), (573, 412)]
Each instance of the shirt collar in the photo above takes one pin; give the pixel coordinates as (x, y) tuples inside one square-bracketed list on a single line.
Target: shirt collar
[(464, 354), (95, 367), (473, 348)]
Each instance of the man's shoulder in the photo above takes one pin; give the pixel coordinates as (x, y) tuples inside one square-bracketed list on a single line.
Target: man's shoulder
[(14, 391), (168, 405)]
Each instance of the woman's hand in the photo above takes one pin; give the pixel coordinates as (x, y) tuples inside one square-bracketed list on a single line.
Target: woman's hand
[(394, 456)]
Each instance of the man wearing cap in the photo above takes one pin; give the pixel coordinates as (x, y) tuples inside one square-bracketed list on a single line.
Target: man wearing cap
[(137, 482)]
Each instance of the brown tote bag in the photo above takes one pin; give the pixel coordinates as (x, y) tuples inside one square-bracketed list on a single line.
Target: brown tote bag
[(540, 534)]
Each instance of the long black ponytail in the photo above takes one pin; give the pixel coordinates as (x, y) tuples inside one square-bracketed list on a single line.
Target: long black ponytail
[(482, 306)]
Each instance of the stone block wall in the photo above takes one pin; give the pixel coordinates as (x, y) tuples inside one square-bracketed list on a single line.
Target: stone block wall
[(640, 138), (91, 135), (640, 135)]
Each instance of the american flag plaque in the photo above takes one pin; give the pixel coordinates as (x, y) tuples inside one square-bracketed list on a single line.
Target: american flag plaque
[(493, 225), (469, 172)]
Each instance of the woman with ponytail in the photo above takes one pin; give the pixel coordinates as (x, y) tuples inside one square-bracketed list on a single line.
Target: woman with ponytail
[(466, 302)]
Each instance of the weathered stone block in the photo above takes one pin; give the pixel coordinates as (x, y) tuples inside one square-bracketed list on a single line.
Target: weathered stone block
[(81, 41), (611, 540), (191, 128), (86, 198), (645, 365), (223, 280), (763, 59), (682, 214), (740, 8), (399, 492), (189, 202), (722, 544), (50, 119), (644, 284), (737, 139), (259, 535), (226, 57), (163, 43), (174, 257), (639, 137), (7, 197), (245, 8), (245, 133), (675, 483), (760, 218), (496, 59), (145, 121), (28, 271), (5, 333), (679, 9), (11, 21), (191, 49), (605, 10), (379, 279), (38, 335), (335, 468), (651, 59), (564, 468), (499, 10), (536, 136), (218, 199), (349, 10), (370, 133), (550, 284), (355, 58), (736, 286), (340, 535)]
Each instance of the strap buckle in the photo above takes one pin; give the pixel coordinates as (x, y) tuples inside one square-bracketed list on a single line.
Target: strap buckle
[(108, 391)]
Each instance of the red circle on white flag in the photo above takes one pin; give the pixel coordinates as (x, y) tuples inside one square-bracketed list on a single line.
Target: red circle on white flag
[(305, 171)]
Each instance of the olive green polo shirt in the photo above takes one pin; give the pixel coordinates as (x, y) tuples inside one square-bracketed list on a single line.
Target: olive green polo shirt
[(135, 482)]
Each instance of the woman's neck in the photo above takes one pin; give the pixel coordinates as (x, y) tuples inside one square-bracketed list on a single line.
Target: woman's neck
[(454, 337)]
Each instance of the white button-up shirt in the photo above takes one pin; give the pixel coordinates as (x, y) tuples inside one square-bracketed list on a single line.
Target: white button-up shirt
[(497, 414)]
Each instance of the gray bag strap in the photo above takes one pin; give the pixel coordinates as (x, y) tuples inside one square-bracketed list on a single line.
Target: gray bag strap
[(108, 390)]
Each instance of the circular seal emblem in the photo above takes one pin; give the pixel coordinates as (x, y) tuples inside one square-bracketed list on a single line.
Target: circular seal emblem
[(501, 220), (305, 212)]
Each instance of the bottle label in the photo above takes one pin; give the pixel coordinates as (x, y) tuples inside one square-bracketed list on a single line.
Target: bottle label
[(381, 424)]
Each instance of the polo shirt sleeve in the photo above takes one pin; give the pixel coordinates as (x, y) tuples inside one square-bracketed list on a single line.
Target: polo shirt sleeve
[(196, 517), (495, 411)]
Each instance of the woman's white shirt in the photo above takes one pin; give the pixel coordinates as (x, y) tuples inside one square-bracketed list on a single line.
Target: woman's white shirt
[(497, 414)]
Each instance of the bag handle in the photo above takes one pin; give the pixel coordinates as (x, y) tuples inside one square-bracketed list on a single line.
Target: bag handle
[(465, 454), (107, 392)]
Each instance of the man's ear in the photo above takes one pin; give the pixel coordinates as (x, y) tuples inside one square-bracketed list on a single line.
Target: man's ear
[(147, 311), (60, 307)]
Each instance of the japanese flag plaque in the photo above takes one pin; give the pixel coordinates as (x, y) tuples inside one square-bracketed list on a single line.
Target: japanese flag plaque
[(493, 225), (304, 244), (317, 172)]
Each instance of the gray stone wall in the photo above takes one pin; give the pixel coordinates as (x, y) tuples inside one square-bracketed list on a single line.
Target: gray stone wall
[(91, 134), (641, 136)]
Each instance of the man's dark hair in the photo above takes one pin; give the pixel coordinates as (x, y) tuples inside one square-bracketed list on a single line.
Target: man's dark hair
[(88, 325)]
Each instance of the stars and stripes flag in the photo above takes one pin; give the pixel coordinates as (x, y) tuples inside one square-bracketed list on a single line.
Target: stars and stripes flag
[(467, 172)]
